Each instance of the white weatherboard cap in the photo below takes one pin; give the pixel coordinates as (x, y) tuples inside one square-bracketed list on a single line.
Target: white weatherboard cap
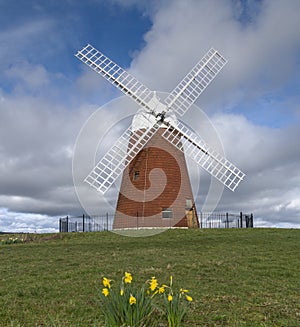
[(143, 119)]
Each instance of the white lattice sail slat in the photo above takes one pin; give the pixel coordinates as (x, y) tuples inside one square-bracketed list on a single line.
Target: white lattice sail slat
[(112, 164), (209, 159), (116, 75), (195, 82)]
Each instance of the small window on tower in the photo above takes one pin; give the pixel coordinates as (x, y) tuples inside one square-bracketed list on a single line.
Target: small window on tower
[(167, 213), (136, 175)]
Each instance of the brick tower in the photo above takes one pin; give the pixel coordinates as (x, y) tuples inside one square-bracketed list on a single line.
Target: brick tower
[(155, 189)]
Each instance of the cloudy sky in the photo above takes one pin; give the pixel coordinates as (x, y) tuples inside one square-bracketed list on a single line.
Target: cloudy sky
[(47, 95)]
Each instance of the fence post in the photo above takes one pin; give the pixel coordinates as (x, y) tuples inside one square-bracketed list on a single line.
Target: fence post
[(107, 221), (251, 220), (247, 220), (67, 219), (241, 219), (83, 222), (227, 222)]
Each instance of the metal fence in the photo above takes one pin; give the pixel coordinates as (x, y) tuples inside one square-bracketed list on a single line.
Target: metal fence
[(225, 220), (87, 223)]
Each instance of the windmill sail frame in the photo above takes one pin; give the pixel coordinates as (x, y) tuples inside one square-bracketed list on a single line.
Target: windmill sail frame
[(179, 101)]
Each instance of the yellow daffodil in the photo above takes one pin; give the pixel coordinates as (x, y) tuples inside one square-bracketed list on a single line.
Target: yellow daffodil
[(127, 278), (153, 284), (170, 298), (121, 291), (189, 298), (106, 282), (105, 291), (183, 291), (132, 300), (171, 280), (161, 290)]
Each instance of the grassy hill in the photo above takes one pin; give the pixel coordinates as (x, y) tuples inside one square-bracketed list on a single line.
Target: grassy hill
[(237, 277)]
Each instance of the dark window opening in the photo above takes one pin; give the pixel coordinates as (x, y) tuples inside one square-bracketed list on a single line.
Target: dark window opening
[(136, 175), (167, 213)]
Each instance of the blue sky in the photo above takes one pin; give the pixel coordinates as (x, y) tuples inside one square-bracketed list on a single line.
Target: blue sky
[(46, 94), (70, 23)]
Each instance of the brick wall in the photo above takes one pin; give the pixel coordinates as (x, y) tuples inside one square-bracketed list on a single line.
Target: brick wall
[(157, 178)]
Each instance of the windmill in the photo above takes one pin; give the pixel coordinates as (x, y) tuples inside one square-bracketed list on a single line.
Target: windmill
[(157, 139)]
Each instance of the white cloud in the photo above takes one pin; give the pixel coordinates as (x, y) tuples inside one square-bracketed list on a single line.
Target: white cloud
[(28, 76), (37, 137), (262, 56), (30, 223), (270, 158), (22, 40)]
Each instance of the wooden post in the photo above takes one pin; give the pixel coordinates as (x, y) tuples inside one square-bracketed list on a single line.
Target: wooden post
[(241, 219)]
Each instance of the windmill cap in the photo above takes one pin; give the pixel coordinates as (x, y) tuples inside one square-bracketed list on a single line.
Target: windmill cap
[(143, 120)]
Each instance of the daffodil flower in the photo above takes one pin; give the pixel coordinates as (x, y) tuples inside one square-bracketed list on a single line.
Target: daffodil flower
[(127, 278), (132, 300), (170, 298), (106, 282), (105, 291), (153, 284), (189, 298)]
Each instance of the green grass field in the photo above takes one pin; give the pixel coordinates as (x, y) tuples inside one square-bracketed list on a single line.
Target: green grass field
[(237, 277)]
